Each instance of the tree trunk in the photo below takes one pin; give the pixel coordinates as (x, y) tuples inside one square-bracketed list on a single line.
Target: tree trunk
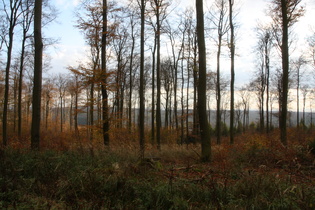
[(267, 65), (141, 90), (218, 94), (130, 75), (12, 20), (298, 99), (76, 106), (15, 100), (195, 75), (27, 21), (104, 78), (153, 94), (158, 80), (20, 87), (92, 106), (202, 104), (285, 76), (38, 65), (182, 90), (232, 49), (187, 89), (61, 115), (47, 111)]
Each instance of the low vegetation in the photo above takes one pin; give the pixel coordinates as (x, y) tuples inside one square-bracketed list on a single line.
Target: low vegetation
[(256, 172)]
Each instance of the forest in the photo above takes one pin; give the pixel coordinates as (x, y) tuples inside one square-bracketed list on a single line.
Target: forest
[(158, 114)]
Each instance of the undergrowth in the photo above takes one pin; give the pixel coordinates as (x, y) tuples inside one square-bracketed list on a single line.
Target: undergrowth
[(256, 172)]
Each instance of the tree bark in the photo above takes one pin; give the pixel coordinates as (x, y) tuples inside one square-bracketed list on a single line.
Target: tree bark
[(130, 74), (38, 66), (153, 94), (105, 117), (12, 18), (141, 90), (158, 77), (232, 50), (285, 76), (202, 105), (218, 95)]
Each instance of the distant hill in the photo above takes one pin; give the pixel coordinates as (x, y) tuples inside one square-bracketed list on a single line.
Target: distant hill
[(253, 117)]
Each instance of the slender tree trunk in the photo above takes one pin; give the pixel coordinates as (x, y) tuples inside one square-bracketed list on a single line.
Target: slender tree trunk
[(218, 94), (285, 76), (76, 107), (267, 65), (182, 90), (232, 49), (61, 115), (195, 75), (244, 120), (262, 100), (141, 90), (71, 112), (187, 89), (92, 106), (6, 90), (298, 99), (202, 102), (304, 103), (38, 65), (153, 93), (175, 73), (21, 86), (166, 124), (12, 17), (158, 80), (15, 100), (169, 108), (47, 111), (130, 76), (104, 78)]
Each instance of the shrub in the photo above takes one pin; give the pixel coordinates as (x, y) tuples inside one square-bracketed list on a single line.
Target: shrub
[(312, 146)]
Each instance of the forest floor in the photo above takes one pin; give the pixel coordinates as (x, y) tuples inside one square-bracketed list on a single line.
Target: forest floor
[(254, 173)]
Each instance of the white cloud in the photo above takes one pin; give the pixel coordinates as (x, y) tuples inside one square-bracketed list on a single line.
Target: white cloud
[(75, 2)]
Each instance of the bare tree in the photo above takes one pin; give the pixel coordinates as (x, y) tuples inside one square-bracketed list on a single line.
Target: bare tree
[(159, 8), (61, 84), (105, 113), (119, 46), (173, 35), (232, 52), (305, 93), (38, 66), (27, 15), (12, 14), (202, 86), (221, 21), (166, 82), (298, 71), (48, 93), (190, 65), (141, 89), (132, 64), (285, 13), (245, 101)]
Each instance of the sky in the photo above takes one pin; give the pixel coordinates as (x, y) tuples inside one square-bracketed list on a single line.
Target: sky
[(71, 46)]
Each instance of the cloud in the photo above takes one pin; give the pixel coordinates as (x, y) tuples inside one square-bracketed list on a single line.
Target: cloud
[(67, 4), (75, 2)]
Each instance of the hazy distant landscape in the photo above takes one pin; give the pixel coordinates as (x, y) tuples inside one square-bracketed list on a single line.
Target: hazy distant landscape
[(253, 117)]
